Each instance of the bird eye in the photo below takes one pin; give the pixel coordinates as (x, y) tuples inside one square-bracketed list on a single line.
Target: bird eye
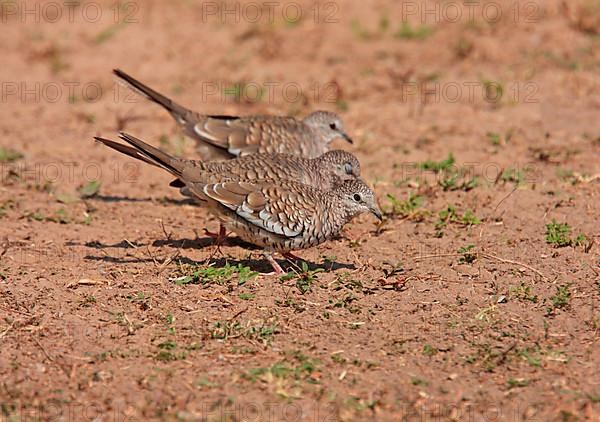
[(332, 126), (348, 168), (357, 197)]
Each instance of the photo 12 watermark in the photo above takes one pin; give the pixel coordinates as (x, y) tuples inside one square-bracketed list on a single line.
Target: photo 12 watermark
[(449, 171), (514, 411), (64, 91), (69, 11), (271, 92), (238, 92), (269, 411), (469, 11), (470, 92), (55, 172), (269, 11), (70, 411)]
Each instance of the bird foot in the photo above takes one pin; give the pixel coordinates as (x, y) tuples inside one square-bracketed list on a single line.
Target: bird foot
[(220, 238), (276, 267)]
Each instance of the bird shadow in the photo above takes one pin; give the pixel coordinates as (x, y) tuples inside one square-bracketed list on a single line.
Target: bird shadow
[(254, 264), (116, 199), (202, 242), (123, 244), (117, 260), (260, 265)]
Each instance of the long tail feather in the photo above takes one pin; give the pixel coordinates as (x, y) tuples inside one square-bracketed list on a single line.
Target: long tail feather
[(146, 153), (124, 149), (177, 111), (168, 162)]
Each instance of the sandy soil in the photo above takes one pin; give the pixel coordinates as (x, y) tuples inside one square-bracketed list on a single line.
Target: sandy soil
[(461, 306)]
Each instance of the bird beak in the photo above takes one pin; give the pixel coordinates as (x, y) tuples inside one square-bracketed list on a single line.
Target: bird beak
[(377, 213), (346, 137)]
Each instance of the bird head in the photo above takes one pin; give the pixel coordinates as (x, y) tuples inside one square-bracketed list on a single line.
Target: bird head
[(343, 164), (328, 125), (358, 198)]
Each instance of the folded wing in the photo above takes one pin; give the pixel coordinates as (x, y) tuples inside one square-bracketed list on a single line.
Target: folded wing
[(272, 208), (242, 136)]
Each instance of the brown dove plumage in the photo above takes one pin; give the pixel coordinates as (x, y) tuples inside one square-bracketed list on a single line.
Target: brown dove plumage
[(223, 137), (322, 172), (276, 215)]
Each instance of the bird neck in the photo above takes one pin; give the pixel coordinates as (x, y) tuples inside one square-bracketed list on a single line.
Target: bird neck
[(337, 209)]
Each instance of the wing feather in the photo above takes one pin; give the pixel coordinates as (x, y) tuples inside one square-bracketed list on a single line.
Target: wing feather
[(265, 206), (231, 134), (243, 136)]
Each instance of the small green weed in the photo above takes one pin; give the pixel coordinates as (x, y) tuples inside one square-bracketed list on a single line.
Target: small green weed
[(221, 276), (168, 352), (559, 236), (467, 257), (561, 298), (90, 189), (450, 215), (429, 350), (523, 292), (404, 208), (408, 32), (8, 155), (222, 330), (517, 382), (438, 166), (512, 175), (304, 278), (295, 367)]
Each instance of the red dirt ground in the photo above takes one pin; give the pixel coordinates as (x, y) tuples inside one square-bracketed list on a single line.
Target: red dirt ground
[(407, 319)]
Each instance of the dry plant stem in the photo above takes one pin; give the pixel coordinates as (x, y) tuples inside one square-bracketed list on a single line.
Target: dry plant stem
[(510, 261), (51, 359)]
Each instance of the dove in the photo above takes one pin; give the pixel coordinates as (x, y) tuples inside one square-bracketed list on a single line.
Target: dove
[(222, 137), (277, 215), (322, 172)]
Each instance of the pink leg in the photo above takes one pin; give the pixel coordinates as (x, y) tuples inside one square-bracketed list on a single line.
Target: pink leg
[(276, 267), (220, 237)]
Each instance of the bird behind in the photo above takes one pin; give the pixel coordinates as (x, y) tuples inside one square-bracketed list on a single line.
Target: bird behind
[(323, 172), (221, 137)]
